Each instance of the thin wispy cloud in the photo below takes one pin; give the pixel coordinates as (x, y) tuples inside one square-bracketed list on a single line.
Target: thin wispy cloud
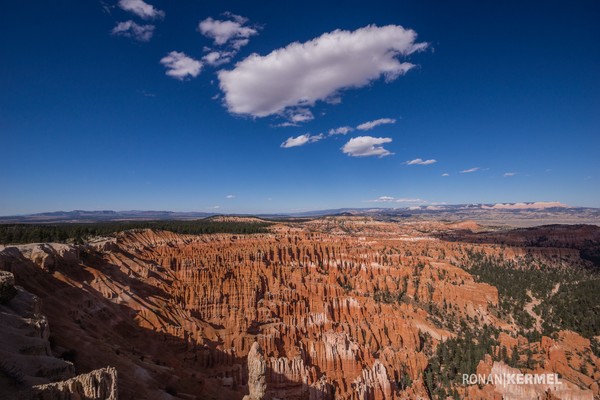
[(509, 174), (230, 196), (141, 9), (419, 161), (372, 124), (180, 66), (129, 29), (301, 140), (367, 146), (285, 124), (390, 199), (301, 74), (468, 171), (342, 130), (381, 199), (445, 174)]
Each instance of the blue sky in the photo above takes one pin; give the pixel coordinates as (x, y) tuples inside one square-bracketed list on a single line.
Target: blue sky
[(118, 105)]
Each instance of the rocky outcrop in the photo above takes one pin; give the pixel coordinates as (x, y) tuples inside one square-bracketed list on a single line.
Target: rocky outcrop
[(96, 385), (257, 373), (27, 365), (373, 384), (25, 355), (7, 287)]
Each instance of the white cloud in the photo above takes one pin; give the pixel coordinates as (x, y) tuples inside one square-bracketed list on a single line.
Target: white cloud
[(382, 199), (466, 171), (300, 115), (342, 130), (418, 161), (231, 32), (180, 66), (141, 33), (445, 174), (301, 140), (301, 74), (141, 9), (364, 146), (372, 124), (216, 58), (507, 174), (285, 124), (416, 201), (230, 196), (389, 199)]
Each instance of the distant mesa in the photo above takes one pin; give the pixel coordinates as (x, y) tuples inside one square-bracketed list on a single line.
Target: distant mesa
[(538, 205)]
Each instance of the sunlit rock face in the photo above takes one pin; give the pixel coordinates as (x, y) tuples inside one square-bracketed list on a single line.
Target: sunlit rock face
[(342, 307)]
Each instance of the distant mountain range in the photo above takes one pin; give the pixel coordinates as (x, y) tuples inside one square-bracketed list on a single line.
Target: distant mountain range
[(502, 213), (99, 216)]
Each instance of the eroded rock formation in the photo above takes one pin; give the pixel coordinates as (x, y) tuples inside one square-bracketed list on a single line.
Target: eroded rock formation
[(27, 364), (339, 307)]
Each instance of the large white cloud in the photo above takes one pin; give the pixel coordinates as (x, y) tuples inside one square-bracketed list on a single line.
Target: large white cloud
[(141, 9), (301, 140), (180, 66), (130, 29), (364, 146), (301, 74), (372, 124)]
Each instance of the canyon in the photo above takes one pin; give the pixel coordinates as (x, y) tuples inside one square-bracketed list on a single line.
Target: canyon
[(337, 307)]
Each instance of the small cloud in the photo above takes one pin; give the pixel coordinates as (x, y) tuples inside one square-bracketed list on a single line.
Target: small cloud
[(285, 124), (180, 66), (507, 174), (365, 146), (300, 115), (419, 161), (232, 32), (372, 124), (106, 8), (467, 171), (301, 140), (146, 94), (445, 174), (141, 9), (230, 196), (382, 199), (129, 29), (216, 58), (389, 199), (342, 130), (214, 207), (412, 201)]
